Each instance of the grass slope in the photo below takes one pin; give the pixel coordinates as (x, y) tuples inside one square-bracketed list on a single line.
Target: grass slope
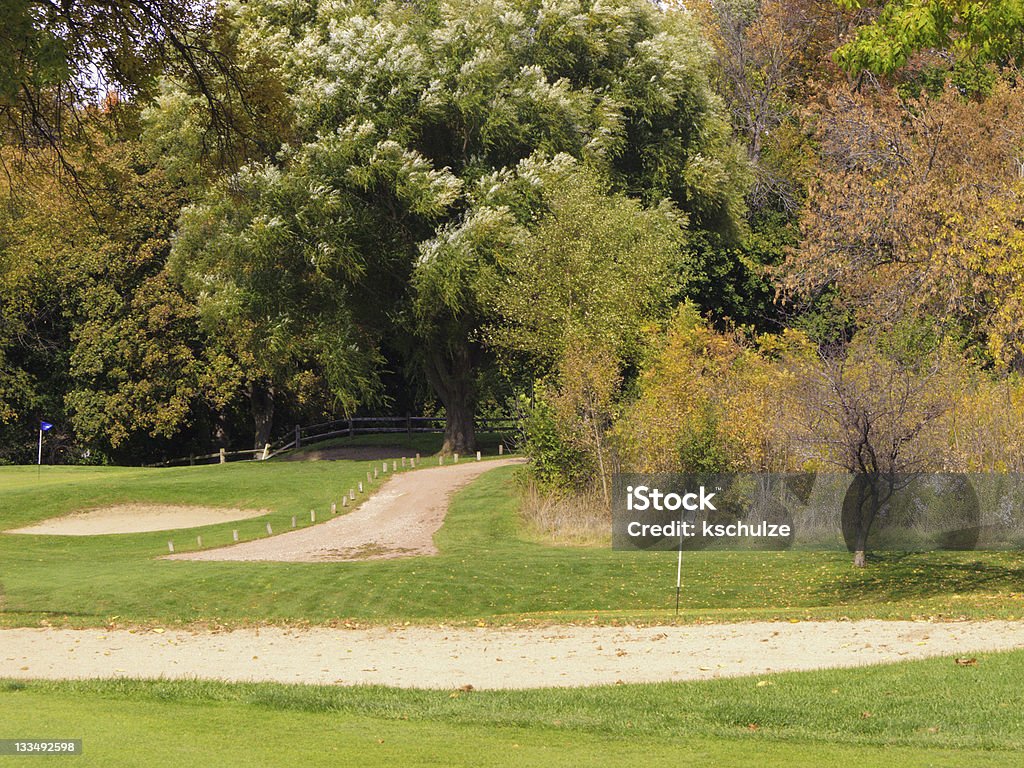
[(930, 713), (485, 572)]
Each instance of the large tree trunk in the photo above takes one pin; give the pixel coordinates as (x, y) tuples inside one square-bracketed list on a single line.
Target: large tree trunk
[(459, 432), (261, 400), (451, 376)]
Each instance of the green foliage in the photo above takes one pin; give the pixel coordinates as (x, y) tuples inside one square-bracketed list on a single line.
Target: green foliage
[(973, 31), (700, 448), (597, 267), (103, 342), (429, 143), (553, 460)]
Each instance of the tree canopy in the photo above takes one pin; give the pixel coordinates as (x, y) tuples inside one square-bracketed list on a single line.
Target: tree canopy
[(428, 134)]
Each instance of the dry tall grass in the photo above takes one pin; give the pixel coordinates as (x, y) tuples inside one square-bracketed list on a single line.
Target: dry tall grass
[(569, 519)]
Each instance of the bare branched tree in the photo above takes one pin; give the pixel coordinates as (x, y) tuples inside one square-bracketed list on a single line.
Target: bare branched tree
[(872, 413)]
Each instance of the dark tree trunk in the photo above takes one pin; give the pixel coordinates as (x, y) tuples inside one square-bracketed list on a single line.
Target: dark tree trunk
[(261, 400), (459, 432), (451, 376)]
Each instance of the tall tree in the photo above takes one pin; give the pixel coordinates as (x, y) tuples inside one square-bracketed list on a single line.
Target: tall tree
[(913, 210), (101, 339), (410, 114)]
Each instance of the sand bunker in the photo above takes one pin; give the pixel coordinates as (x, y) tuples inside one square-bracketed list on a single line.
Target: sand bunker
[(136, 518), (450, 657)]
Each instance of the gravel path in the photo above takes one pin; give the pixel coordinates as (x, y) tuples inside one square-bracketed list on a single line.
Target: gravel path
[(440, 657), (399, 520)]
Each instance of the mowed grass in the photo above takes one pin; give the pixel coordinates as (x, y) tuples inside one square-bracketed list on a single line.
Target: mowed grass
[(485, 573), (927, 713)]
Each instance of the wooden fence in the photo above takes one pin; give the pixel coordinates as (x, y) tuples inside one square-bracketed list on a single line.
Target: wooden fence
[(358, 425)]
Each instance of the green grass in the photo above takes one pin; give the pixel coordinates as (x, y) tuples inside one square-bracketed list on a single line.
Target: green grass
[(485, 572), (912, 714)]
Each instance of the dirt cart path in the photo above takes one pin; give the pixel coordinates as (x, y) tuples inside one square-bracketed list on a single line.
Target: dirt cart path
[(399, 520), (439, 657)]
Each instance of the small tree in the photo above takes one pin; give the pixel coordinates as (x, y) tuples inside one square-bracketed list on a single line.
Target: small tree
[(583, 402), (869, 408)]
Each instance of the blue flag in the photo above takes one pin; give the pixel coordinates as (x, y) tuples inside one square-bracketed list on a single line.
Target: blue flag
[(45, 426)]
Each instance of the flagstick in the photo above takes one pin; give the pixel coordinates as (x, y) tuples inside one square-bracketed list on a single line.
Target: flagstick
[(679, 565), (39, 461)]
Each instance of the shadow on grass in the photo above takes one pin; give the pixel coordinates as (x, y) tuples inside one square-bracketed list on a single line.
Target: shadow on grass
[(899, 576)]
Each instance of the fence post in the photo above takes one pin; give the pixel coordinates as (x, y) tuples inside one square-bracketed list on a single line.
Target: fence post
[(351, 427), (223, 458), (298, 436), (408, 423), (266, 452)]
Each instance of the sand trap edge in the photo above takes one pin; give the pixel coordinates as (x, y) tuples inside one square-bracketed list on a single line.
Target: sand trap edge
[(136, 518)]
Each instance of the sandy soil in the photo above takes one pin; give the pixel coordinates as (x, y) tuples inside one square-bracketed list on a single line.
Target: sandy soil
[(136, 518), (399, 520), (439, 657)]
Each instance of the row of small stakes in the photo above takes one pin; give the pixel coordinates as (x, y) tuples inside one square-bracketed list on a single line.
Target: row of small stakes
[(351, 496)]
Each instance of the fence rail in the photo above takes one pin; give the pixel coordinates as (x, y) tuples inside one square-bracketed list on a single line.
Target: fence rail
[(350, 427)]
